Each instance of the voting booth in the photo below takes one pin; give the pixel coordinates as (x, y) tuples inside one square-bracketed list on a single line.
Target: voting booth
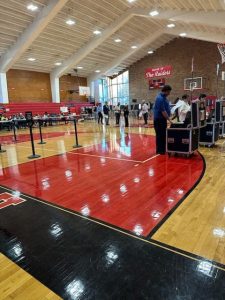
[(220, 117), (183, 137)]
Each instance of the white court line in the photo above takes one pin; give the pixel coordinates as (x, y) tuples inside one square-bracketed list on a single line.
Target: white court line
[(100, 156), (150, 158), (85, 154)]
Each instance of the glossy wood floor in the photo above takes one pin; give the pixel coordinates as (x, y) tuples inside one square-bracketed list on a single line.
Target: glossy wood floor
[(17, 284), (121, 182), (196, 226)]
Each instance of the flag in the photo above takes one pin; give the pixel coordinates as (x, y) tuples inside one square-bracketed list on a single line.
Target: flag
[(192, 65)]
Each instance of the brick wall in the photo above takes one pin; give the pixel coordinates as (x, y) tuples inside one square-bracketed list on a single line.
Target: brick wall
[(178, 53)]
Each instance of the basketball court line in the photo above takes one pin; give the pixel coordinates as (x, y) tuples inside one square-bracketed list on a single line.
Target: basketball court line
[(151, 241), (101, 156), (84, 154), (92, 155), (150, 158)]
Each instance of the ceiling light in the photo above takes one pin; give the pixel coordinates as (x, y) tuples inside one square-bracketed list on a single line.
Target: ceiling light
[(97, 32), (32, 7), (171, 25), (70, 22), (130, 1), (183, 34), (58, 64), (80, 67), (97, 71), (154, 13), (133, 47), (150, 52), (31, 59), (118, 40)]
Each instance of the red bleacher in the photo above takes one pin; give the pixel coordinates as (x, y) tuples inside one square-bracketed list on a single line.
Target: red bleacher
[(41, 108)]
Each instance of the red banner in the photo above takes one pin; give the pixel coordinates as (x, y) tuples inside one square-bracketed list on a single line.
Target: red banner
[(158, 72)]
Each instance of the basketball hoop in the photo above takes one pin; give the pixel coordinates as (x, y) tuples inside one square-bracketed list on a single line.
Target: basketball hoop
[(221, 48), (193, 86)]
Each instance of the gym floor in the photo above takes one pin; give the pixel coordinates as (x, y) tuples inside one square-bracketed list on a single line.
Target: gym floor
[(110, 220)]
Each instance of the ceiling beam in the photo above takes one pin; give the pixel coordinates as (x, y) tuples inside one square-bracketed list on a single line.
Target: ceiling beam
[(30, 34), (75, 58), (187, 16), (222, 2), (116, 62), (200, 35), (209, 18)]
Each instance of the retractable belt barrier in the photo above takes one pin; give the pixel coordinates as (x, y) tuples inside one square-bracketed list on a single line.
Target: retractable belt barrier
[(14, 130), (76, 135), (29, 122), (40, 123)]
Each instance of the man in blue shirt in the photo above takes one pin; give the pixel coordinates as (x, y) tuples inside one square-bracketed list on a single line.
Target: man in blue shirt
[(161, 116)]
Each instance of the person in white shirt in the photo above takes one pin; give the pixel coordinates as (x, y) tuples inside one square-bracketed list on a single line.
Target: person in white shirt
[(184, 108), (144, 109), (117, 112)]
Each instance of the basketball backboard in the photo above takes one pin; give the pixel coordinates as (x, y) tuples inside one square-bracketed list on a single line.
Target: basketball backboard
[(195, 83), (223, 75), (84, 91)]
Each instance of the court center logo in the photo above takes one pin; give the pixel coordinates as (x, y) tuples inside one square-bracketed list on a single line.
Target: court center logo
[(8, 199)]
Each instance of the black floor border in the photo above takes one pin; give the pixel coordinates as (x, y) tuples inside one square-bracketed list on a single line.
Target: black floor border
[(156, 228), (189, 254), (120, 230), (74, 212)]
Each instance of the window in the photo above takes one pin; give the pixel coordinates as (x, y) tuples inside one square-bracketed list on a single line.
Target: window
[(115, 90)]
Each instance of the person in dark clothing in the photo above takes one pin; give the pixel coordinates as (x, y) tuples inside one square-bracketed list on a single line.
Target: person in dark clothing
[(106, 113), (161, 116), (99, 111), (126, 115)]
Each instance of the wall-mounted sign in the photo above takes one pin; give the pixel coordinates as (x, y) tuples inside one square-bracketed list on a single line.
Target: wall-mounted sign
[(158, 72), (156, 83)]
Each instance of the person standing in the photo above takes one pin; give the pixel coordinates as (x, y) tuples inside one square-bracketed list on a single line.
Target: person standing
[(126, 115), (145, 112), (99, 112), (106, 113), (184, 108), (117, 114), (161, 116)]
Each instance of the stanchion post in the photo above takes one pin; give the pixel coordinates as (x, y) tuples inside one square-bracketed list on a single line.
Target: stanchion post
[(76, 136), (34, 155), (1, 150), (40, 131), (30, 122), (14, 130)]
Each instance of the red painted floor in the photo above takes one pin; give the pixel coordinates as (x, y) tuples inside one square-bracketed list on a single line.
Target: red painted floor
[(132, 196), (131, 147)]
